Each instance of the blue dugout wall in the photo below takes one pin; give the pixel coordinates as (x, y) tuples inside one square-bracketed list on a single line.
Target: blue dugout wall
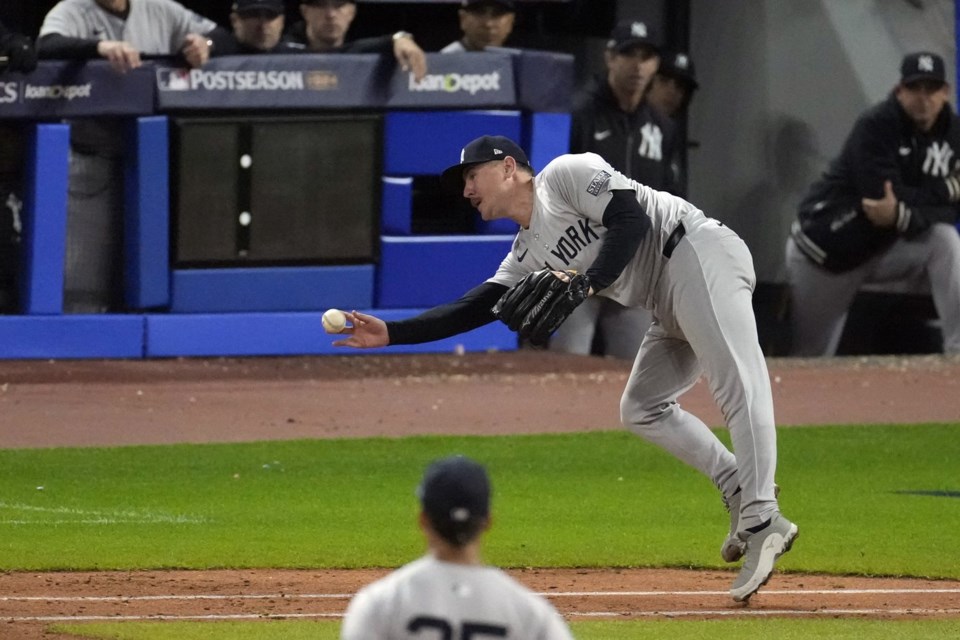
[(270, 310)]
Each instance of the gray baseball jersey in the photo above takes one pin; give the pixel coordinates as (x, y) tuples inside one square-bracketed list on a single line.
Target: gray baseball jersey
[(154, 27), (566, 227), (697, 278), (429, 598)]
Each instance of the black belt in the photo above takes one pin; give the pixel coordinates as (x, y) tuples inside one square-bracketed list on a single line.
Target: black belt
[(673, 240)]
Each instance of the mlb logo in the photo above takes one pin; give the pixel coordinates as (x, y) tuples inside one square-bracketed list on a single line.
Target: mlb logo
[(173, 79)]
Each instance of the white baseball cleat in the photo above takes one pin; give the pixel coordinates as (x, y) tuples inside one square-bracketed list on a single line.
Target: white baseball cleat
[(762, 550)]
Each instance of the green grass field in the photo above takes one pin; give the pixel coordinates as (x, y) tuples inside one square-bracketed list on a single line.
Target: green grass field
[(870, 500), (659, 629)]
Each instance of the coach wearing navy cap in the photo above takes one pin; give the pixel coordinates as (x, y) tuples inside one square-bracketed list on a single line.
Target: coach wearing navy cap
[(258, 27), (886, 206), (484, 23), (612, 118)]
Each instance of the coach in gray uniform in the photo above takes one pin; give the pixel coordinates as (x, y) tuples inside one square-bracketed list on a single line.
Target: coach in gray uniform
[(119, 31), (450, 593), (642, 248)]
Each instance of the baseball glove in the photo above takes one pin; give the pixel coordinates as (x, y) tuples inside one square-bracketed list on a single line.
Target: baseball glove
[(540, 302)]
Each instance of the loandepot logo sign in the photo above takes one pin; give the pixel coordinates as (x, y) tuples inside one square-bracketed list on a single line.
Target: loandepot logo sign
[(11, 92), (66, 92), (471, 83), (200, 80)]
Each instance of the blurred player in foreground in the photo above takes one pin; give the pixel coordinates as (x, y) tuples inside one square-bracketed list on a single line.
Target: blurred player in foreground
[(449, 593)]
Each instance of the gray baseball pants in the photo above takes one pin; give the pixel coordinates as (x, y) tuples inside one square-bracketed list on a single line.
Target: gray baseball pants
[(704, 323), (820, 299)]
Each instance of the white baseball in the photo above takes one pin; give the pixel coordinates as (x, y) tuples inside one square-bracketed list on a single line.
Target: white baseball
[(333, 321)]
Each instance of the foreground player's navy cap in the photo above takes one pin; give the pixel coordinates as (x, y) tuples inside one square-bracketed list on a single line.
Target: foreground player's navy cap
[(455, 495), (483, 149)]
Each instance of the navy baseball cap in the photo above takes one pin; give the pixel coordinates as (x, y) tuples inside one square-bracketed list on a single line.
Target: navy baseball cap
[(245, 6), (507, 5), (922, 65), (632, 33), (483, 149), (455, 496), (679, 65)]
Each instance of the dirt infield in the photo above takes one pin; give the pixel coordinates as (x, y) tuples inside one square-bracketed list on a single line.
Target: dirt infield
[(80, 403)]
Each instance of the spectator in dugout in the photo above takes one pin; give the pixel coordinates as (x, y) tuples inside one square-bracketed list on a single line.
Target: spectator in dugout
[(484, 23), (324, 30), (258, 28), (670, 92), (121, 32), (613, 118)]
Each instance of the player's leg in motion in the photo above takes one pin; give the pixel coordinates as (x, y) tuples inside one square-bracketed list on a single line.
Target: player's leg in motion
[(666, 367), (710, 283)]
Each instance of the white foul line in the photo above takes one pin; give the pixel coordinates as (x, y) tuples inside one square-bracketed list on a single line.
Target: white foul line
[(585, 614), (548, 594)]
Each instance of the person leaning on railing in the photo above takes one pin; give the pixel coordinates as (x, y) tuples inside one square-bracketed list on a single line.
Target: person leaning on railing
[(324, 30), (121, 32)]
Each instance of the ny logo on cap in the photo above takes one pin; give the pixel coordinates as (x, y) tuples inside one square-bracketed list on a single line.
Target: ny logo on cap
[(638, 30), (925, 63)]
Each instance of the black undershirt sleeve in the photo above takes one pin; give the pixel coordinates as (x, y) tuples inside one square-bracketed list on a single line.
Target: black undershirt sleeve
[(627, 224), (54, 46), (470, 311)]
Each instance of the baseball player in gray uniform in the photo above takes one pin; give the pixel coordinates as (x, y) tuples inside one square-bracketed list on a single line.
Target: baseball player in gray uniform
[(449, 593), (597, 232), (121, 30)]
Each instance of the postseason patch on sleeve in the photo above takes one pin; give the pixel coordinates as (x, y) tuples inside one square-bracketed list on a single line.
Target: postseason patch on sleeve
[(596, 185)]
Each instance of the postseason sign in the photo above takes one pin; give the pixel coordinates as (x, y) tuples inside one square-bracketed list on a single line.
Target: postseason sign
[(70, 89), (298, 81)]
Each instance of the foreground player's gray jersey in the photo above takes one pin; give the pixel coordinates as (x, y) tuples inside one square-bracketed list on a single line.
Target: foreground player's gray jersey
[(429, 599), (155, 27), (566, 230)]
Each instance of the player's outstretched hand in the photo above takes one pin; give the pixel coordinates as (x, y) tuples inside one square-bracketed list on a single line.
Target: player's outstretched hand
[(365, 331)]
